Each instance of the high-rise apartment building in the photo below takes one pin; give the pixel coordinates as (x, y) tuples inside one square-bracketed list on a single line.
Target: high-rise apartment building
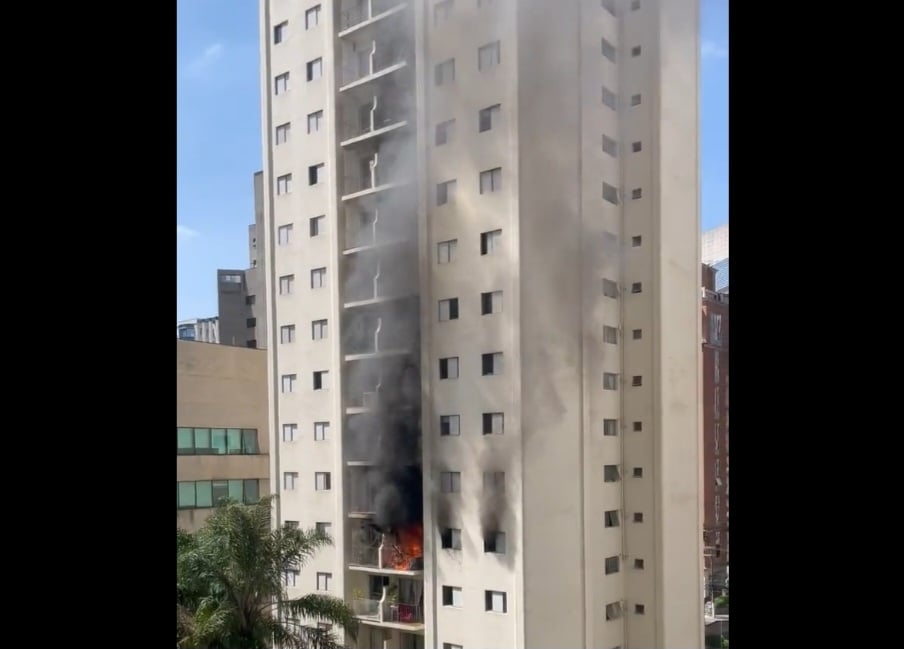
[(715, 424), (482, 255)]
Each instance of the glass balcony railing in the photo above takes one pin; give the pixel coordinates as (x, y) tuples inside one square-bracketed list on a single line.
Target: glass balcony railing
[(365, 10)]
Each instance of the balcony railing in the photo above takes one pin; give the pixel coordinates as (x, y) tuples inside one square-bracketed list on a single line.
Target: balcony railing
[(388, 556), (365, 11), (365, 555), (377, 58), (403, 613), (367, 608)]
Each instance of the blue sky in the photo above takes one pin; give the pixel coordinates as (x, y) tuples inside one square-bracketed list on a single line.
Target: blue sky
[(218, 138)]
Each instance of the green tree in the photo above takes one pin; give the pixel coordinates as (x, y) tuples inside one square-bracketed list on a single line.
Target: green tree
[(229, 577)]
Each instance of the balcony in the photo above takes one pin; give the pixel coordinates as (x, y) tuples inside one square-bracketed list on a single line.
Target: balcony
[(397, 606), (375, 553), (356, 15), (370, 177), (376, 332), (373, 279), (368, 62), (373, 119)]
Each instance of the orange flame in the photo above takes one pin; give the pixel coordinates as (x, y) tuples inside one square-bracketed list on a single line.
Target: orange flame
[(407, 546)]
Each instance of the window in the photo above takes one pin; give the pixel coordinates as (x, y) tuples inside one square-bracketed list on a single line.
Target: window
[(315, 120), (251, 323), (284, 184), (613, 611), (494, 481), (286, 284), (638, 426), (450, 482), (611, 518), (610, 335), (317, 225), (715, 329), (250, 300), (287, 334), (636, 241), (608, 50), (317, 174), (321, 481), (321, 379), (318, 330), (325, 529), (495, 601), (452, 596), (491, 180), (609, 5), (448, 309), (290, 525), (636, 381), (637, 287), (635, 5), (637, 334), (290, 480), (444, 131), (610, 473), (488, 116), (612, 565), (447, 645), (610, 194), (445, 192), (282, 133), (635, 51), (488, 56), (636, 147), (445, 72), (637, 472), (288, 382), (493, 423), (216, 441), (638, 517), (489, 241), (450, 539), (638, 564), (494, 542), (491, 302), (636, 194), (315, 69), (491, 363), (610, 427), (312, 17), (281, 83), (290, 578), (610, 288), (448, 367), (639, 609), (318, 278), (445, 251), (284, 235), (609, 99), (441, 12), (610, 146), (321, 430), (324, 580), (289, 432), (449, 425), (280, 32), (635, 100)]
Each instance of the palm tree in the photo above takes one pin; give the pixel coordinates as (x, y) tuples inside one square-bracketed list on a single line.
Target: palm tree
[(230, 574)]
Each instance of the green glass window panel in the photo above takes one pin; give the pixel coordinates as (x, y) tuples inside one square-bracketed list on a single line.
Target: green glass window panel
[(235, 490), (186, 497), (218, 439), (220, 491), (249, 442), (202, 441), (252, 492), (234, 441), (185, 441), (205, 497)]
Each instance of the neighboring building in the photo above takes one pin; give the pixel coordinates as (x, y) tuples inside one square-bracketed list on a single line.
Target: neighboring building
[(715, 254), (715, 424), (222, 433), (482, 240), (204, 330), (240, 293)]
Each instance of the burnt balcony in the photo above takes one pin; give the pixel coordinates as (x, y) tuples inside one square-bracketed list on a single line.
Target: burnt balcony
[(375, 277), (367, 61), (372, 172), (354, 15), (384, 219), (379, 331), (375, 552), (376, 117), (363, 486)]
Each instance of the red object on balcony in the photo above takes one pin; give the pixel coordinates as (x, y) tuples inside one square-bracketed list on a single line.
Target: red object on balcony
[(407, 614)]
